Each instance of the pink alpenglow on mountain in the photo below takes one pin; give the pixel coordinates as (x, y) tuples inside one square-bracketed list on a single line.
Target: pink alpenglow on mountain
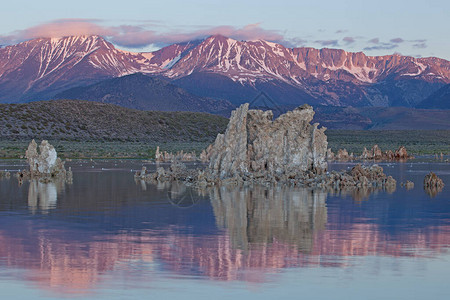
[(224, 68)]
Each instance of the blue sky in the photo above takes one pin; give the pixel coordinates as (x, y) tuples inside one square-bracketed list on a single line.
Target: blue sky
[(416, 28)]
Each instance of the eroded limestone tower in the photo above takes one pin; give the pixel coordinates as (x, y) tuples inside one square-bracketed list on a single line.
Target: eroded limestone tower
[(256, 144)]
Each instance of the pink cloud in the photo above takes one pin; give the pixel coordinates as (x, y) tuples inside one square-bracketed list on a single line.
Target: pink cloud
[(135, 36), (59, 28)]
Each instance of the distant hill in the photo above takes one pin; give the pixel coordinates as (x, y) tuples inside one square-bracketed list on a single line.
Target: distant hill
[(76, 120), (381, 118), (439, 99), (143, 92), (85, 120)]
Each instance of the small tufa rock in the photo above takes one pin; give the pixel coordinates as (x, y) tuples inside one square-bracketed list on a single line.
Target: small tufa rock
[(432, 180), (342, 154), (5, 174), (408, 185), (69, 176), (177, 169), (44, 163), (165, 156), (401, 153), (390, 182), (376, 154), (432, 184), (330, 155), (205, 155), (141, 174)]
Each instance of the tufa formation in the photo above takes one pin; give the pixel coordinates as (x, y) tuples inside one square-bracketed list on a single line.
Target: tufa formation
[(374, 153), (256, 149), (255, 145), (432, 184), (44, 164)]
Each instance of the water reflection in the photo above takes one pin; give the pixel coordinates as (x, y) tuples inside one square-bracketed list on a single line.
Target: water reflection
[(265, 215), (432, 191), (44, 195), (363, 193), (107, 225), (262, 229)]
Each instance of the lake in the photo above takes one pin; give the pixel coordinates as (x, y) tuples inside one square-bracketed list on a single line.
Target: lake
[(107, 236)]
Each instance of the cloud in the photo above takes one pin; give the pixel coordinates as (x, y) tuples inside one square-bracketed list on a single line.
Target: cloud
[(248, 32), (143, 33), (58, 28), (341, 31), (381, 46), (420, 45), (376, 44), (136, 36), (348, 40), (397, 40), (325, 43), (296, 42)]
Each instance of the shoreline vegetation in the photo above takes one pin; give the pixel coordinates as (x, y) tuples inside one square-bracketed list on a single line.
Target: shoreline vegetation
[(85, 129), (417, 142)]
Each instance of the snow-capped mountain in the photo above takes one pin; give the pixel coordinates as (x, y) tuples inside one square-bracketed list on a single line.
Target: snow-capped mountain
[(221, 67), (332, 76), (46, 65), (249, 61)]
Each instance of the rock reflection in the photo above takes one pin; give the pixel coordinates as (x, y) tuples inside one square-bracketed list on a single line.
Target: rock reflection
[(44, 195), (433, 191), (262, 230), (264, 215), (362, 193)]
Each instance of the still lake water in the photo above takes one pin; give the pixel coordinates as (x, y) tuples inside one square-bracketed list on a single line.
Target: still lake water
[(107, 236)]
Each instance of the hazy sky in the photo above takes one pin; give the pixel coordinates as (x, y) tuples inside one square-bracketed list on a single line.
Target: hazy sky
[(417, 28)]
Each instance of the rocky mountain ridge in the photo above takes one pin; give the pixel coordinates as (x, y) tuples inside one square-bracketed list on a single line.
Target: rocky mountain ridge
[(40, 68)]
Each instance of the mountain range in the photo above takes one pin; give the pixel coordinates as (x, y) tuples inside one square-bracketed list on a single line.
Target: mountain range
[(222, 68)]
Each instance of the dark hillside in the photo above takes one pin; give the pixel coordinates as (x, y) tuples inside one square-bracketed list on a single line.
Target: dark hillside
[(144, 92), (86, 120)]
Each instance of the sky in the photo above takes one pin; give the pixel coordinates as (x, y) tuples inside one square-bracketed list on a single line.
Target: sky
[(415, 28)]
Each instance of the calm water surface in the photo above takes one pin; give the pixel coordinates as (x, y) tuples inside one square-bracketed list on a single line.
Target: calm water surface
[(107, 236)]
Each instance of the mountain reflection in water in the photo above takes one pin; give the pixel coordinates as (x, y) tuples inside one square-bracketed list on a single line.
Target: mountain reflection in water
[(107, 224)]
